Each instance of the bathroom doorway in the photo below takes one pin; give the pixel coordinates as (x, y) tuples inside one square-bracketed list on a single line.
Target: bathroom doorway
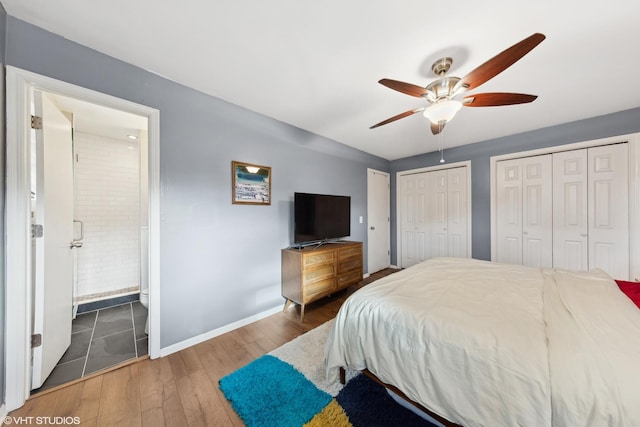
[(21, 256), (103, 151)]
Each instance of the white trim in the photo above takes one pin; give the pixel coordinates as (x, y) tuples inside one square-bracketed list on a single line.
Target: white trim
[(165, 351), (20, 84), (466, 164), (634, 188), (218, 331)]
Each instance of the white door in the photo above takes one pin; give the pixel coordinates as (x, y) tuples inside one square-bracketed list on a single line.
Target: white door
[(609, 210), (378, 234), (509, 211), (439, 217), (537, 216), (570, 214), (457, 212), (53, 261), (414, 218)]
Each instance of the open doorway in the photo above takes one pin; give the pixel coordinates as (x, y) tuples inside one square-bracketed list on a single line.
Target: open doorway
[(22, 257), (89, 192)]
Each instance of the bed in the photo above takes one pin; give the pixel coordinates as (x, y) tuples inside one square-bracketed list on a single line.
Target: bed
[(482, 343)]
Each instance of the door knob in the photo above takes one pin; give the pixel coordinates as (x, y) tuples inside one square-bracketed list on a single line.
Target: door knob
[(76, 244), (372, 227)]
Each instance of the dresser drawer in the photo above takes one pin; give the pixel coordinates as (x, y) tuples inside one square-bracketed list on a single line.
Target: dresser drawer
[(318, 272), (312, 259), (349, 264), (323, 287), (349, 278), (354, 251)]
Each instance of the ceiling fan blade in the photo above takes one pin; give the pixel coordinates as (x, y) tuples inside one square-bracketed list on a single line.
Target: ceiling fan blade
[(398, 117), (406, 88), (495, 99), (436, 128), (500, 62)]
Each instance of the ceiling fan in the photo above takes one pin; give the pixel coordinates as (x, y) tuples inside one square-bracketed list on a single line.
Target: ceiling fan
[(442, 92)]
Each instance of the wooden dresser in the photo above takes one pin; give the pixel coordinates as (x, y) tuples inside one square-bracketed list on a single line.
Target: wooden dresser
[(311, 273)]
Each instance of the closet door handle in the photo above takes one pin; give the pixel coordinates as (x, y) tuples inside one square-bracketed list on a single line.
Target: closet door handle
[(81, 228)]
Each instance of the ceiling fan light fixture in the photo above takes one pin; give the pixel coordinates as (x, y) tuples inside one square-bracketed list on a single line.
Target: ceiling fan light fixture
[(442, 111)]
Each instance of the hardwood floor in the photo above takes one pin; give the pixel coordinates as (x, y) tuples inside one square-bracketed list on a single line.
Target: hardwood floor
[(182, 388)]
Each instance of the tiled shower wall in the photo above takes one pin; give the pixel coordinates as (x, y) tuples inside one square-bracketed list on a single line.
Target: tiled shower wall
[(107, 201)]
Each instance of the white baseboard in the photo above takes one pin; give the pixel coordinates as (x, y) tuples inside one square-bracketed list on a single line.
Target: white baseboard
[(165, 351), (3, 412)]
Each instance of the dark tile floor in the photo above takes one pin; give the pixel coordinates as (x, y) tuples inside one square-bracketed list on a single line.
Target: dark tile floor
[(101, 339)]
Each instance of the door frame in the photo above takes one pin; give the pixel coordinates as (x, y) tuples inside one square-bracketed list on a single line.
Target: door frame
[(399, 204), (633, 140), (18, 261), (388, 213)]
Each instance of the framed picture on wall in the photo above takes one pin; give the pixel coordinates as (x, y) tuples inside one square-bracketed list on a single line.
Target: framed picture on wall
[(251, 184)]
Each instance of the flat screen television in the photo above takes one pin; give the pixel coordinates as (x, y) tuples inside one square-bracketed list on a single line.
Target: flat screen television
[(319, 217)]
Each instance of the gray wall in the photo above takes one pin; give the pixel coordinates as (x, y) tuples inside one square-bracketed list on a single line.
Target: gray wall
[(479, 154), (219, 262), (3, 38)]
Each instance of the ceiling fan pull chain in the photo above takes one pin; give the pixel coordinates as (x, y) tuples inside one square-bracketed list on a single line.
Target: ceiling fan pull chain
[(440, 141)]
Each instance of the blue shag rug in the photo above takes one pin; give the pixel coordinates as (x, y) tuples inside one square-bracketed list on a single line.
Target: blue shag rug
[(289, 387), (271, 393)]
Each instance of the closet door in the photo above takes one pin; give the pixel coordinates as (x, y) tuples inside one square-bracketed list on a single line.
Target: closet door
[(537, 217), (524, 217), (608, 209), (509, 211), (414, 218), (591, 210), (439, 215), (570, 214), (457, 208)]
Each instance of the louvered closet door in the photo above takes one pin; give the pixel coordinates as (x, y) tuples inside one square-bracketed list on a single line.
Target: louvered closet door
[(415, 218), (609, 210), (570, 214)]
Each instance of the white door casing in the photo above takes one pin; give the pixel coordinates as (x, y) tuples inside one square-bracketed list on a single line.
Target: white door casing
[(53, 273), (20, 85), (378, 212)]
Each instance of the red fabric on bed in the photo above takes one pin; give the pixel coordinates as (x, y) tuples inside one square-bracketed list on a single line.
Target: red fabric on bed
[(631, 289)]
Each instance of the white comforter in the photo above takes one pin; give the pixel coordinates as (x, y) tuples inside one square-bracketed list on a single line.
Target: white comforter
[(482, 343)]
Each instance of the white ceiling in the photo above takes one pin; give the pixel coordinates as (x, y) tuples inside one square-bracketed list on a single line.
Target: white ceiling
[(316, 65), (99, 120)]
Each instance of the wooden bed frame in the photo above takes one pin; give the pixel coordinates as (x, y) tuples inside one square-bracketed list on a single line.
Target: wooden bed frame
[(395, 390)]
